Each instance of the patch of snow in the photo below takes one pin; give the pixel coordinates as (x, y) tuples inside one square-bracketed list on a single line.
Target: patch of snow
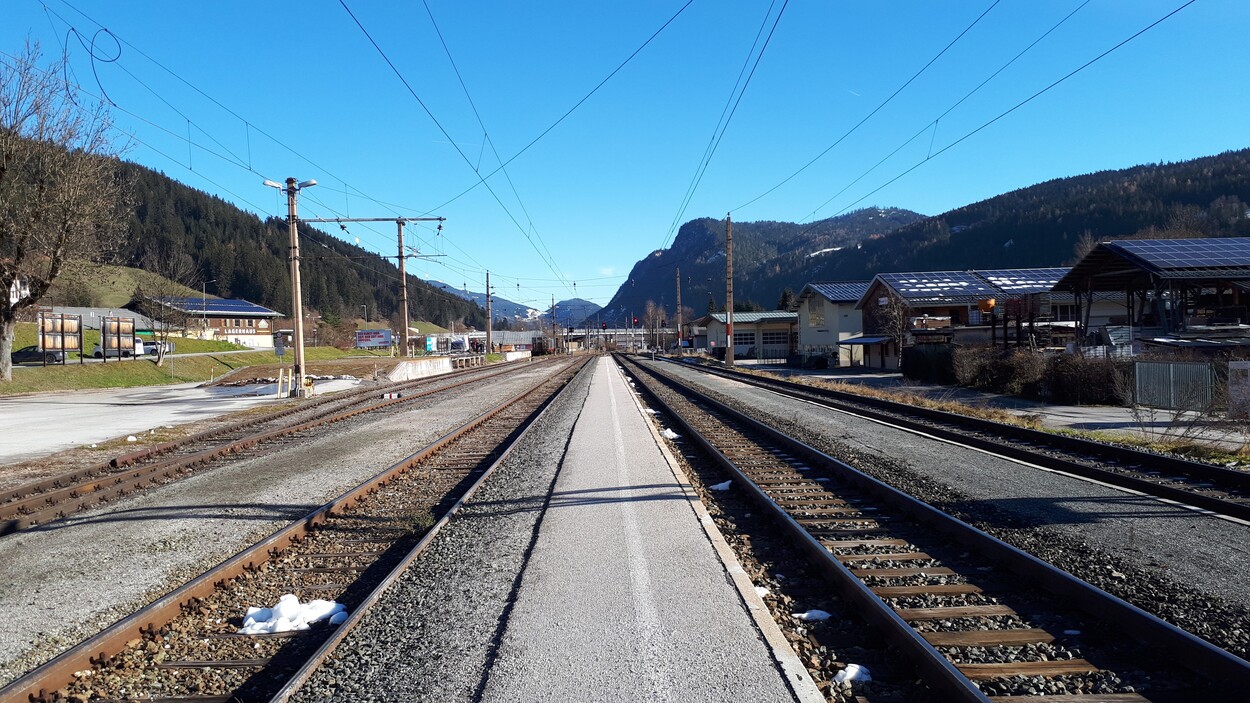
[(853, 672), (721, 486), (132, 438), (289, 614), (824, 251), (762, 592), (669, 434), (813, 615)]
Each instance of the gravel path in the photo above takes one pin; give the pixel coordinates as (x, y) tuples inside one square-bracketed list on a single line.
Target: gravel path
[(100, 565), (1156, 555)]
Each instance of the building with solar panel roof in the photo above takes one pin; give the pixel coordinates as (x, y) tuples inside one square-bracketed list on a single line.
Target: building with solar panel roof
[(225, 319), (1008, 306), (1167, 288)]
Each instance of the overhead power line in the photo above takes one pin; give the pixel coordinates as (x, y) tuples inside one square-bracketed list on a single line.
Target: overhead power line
[(875, 110), (1010, 110), (722, 123), (934, 123)]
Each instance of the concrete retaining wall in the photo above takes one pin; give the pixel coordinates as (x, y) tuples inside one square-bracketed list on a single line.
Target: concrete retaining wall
[(514, 355), (420, 368)]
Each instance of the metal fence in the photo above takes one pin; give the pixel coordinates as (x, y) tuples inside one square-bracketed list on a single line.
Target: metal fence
[(1174, 385)]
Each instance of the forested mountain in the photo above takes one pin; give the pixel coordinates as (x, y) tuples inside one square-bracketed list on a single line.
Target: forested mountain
[(500, 307), (1041, 225), (768, 257), (242, 256)]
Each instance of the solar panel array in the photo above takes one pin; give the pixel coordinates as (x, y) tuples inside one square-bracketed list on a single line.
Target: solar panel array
[(1024, 281), (219, 306), (1175, 254), (938, 284)]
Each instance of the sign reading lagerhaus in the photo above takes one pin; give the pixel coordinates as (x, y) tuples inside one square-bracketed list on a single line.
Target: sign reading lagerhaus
[(367, 339)]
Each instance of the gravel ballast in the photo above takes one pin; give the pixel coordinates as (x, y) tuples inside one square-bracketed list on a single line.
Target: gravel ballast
[(1185, 567), (68, 579), (434, 634)]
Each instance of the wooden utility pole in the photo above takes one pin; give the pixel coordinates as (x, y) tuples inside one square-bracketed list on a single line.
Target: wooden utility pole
[(490, 320), (403, 276), (678, 311), (729, 290), (297, 298), (403, 292)]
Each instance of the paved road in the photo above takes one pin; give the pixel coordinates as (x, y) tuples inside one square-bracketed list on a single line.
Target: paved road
[(41, 424)]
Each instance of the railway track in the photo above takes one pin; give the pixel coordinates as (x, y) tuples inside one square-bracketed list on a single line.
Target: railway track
[(978, 618), (186, 646), (1201, 485), (38, 503)]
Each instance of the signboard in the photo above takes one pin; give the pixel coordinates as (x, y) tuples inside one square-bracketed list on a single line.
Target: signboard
[(117, 336), (373, 339), (279, 344), (431, 344), (60, 332)]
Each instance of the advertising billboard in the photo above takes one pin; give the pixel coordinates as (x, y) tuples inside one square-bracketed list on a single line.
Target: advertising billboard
[(373, 339)]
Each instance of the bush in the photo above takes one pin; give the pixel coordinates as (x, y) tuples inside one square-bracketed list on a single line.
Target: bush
[(970, 366), (928, 362), (1085, 381)]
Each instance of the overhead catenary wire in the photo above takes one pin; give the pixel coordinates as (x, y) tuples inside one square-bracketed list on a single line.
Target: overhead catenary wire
[(230, 156), (875, 110), (722, 123), (1010, 110), (411, 91), (934, 123)]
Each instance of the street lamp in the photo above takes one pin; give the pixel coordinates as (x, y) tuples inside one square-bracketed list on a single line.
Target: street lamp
[(291, 190), (204, 306), (365, 308)]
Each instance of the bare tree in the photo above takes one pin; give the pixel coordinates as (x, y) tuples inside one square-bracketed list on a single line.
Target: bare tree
[(894, 320), (61, 196), (166, 275)]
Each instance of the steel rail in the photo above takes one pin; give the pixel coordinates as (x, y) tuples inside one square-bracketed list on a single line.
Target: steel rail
[(891, 412), (40, 683), (43, 507), (327, 649), (1190, 651)]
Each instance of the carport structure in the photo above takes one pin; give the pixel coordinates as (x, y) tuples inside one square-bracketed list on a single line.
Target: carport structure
[(1171, 285)]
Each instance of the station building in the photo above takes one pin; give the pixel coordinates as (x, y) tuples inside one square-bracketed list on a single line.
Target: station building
[(757, 335), (225, 319)]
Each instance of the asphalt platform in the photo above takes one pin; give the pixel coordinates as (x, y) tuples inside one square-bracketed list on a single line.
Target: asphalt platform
[(626, 595)]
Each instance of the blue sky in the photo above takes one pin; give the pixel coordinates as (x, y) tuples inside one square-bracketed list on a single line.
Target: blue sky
[(603, 187)]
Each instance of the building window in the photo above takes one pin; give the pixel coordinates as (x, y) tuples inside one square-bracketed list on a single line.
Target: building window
[(815, 312), (1063, 313), (744, 338), (775, 338), (251, 323)]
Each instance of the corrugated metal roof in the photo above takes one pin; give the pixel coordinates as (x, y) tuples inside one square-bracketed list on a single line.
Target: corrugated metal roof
[(749, 317), (839, 291)]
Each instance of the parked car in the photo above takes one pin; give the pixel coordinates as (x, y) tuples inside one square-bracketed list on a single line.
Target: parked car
[(150, 348), (98, 352), (36, 355)]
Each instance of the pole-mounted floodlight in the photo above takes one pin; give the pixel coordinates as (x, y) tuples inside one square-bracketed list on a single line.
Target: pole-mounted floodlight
[(297, 306)]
